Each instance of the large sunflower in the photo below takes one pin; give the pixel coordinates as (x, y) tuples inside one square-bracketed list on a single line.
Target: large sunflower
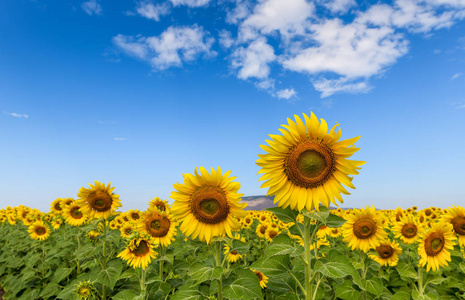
[(388, 253), (73, 215), (138, 253), (456, 217), (98, 201), (39, 231), (159, 225), (306, 165), (435, 246), (208, 204), (363, 230)]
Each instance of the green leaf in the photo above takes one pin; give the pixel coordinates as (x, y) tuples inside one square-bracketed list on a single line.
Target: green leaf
[(61, 274), (276, 265), (284, 215), (240, 247), (334, 221), (406, 271), (332, 269), (283, 245), (297, 229), (401, 296), (52, 289), (347, 291), (200, 273), (320, 216), (245, 286), (110, 275), (125, 295), (374, 286), (188, 291)]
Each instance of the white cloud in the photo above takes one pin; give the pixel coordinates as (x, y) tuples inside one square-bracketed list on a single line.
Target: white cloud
[(239, 13), (170, 49), (351, 50), (190, 3), (456, 75), (17, 115), (328, 87), (92, 7), (253, 61), (289, 18), (119, 139), (286, 94), (150, 11), (338, 6), (226, 39)]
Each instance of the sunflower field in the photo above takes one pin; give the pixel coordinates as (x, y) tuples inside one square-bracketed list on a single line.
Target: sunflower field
[(205, 245)]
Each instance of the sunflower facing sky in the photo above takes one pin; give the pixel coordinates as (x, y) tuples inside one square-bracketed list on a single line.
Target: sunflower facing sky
[(208, 204), (456, 217), (98, 201), (159, 225), (435, 245), (307, 164)]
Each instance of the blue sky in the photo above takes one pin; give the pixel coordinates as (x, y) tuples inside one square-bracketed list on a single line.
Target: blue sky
[(139, 92)]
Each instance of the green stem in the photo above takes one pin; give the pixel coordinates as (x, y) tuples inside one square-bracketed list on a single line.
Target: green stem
[(420, 281), (316, 288), (298, 282), (43, 260), (307, 259), (364, 270), (78, 264), (142, 281), (161, 262), (104, 263), (217, 251)]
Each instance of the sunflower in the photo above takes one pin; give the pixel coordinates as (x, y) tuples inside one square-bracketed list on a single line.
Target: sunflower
[(363, 230), (56, 206), (456, 217), (262, 279), (233, 256), (247, 222), (138, 253), (335, 232), (159, 225), (84, 290), (73, 215), (261, 230), (134, 215), (66, 201), (93, 235), (271, 233), (408, 229), (388, 253), (127, 230), (39, 231), (57, 223), (208, 204), (98, 201), (323, 231), (306, 165), (161, 205), (435, 246)]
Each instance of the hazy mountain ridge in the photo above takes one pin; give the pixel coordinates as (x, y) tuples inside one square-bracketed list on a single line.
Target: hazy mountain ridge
[(263, 202)]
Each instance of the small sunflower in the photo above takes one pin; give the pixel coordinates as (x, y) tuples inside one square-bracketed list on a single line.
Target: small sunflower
[(247, 221), (134, 215), (98, 201), (262, 279), (307, 165), (127, 230), (335, 232), (160, 205), (159, 225), (435, 246), (39, 231), (271, 233), (456, 217), (363, 229), (323, 231), (84, 290), (233, 256), (73, 215), (261, 230), (138, 253), (208, 204), (388, 253), (407, 229), (93, 235), (56, 206)]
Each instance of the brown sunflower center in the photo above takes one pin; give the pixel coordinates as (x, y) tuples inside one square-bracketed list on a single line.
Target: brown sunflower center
[(161, 206), (40, 230), (434, 244), (323, 227), (385, 251), (58, 206), (309, 164), (128, 231), (272, 234), (409, 230), (135, 216), (428, 212), (209, 205), (100, 200), (233, 252), (259, 275), (335, 231), (364, 228), (158, 225), (459, 225), (142, 249), (75, 213), (263, 229)]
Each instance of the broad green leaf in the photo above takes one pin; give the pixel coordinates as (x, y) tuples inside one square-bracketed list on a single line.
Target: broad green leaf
[(320, 216), (125, 295), (283, 249), (297, 229), (110, 275), (240, 247), (284, 214), (61, 274), (332, 269), (200, 273), (347, 292), (401, 296), (276, 265), (334, 221), (52, 289), (406, 271), (374, 286), (246, 286), (188, 291)]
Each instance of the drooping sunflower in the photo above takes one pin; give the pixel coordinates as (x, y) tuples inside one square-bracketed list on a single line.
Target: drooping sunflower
[(139, 252), (159, 225), (262, 279), (363, 230), (388, 253), (73, 215), (307, 165), (435, 245), (39, 231), (161, 205), (456, 217), (98, 201), (407, 229), (208, 204)]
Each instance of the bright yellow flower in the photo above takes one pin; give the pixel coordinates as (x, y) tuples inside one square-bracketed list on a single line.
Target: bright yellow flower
[(435, 246), (456, 217), (407, 229), (388, 253), (159, 225), (39, 231), (98, 201), (138, 253), (262, 279)]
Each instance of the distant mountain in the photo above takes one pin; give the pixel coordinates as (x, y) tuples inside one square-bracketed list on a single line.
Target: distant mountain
[(258, 202)]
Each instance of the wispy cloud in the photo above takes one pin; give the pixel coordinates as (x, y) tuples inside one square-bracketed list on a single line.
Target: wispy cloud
[(190, 3), (119, 139), (151, 11), (17, 115), (456, 75), (92, 7), (286, 94)]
